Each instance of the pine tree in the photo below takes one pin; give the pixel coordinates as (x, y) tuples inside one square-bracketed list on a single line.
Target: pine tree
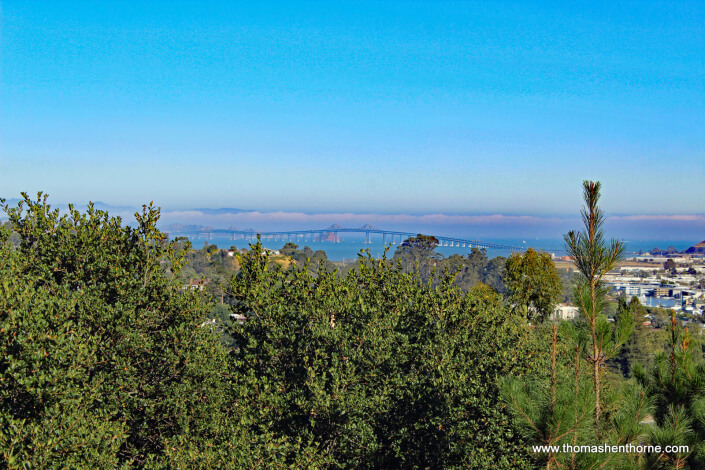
[(553, 409), (569, 404), (676, 383), (593, 258), (635, 350)]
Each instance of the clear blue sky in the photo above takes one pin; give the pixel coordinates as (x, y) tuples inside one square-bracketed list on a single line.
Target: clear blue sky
[(380, 106)]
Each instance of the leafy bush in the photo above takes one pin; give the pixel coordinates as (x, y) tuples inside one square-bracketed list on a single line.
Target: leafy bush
[(378, 370), (102, 360)]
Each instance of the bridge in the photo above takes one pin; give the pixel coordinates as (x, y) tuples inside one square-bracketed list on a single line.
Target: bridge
[(331, 234)]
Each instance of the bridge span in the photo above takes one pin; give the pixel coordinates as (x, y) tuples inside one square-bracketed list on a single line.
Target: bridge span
[(331, 234)]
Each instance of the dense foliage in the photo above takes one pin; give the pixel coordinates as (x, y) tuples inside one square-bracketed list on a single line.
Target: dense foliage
[(217, 266), (110, 357), (676, 384), (106, 360), (101, 358), (379, 370), (533, 283)]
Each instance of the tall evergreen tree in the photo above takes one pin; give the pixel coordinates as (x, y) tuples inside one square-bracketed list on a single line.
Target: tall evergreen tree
[(566, 406), (593, 258)]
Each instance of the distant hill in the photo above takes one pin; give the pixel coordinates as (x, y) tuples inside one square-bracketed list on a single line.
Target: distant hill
[(109, 207), (697, 249), (668, 251), (222, 210)]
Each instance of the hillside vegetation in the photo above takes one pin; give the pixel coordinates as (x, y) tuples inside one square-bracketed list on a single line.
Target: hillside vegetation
[(106, 360)]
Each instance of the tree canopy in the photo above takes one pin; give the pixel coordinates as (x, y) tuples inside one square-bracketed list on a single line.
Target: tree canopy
[(533, 283), (380, 370), (418, 252), (102, 359), (107, 360)]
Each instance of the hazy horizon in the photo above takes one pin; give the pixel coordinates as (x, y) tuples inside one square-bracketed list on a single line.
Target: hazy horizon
[(676, 227)]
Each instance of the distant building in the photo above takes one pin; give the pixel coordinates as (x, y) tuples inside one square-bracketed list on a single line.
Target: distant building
[(639, 290), (633, 290), (565, 312), (663, 292), (651, 258), (236, 317), (196, 284)]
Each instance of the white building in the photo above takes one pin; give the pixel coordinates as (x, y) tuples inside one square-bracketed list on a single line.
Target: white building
[(638, 290), (565, 312)]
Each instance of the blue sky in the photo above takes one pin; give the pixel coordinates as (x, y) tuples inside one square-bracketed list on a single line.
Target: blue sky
[(413, 107)]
